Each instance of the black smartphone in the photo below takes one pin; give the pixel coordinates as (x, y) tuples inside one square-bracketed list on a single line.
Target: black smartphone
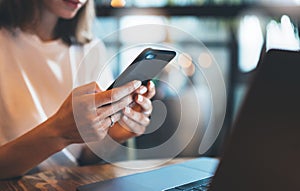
[(145, 67)]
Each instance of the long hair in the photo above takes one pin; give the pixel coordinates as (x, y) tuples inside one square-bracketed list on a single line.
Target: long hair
[(20, 13)]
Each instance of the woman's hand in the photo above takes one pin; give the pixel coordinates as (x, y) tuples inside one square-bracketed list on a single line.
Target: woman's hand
[(135, 117), (88, 112)]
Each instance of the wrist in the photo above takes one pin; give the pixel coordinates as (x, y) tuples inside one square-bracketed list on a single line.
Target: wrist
[(54, 134)]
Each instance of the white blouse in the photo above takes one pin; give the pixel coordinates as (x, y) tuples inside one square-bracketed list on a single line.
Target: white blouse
[(37, 76)]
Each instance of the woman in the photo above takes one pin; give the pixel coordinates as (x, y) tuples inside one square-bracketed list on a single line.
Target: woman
[(43, 44)]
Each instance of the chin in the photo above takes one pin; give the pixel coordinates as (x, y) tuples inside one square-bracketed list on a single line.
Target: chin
[(68, 15)]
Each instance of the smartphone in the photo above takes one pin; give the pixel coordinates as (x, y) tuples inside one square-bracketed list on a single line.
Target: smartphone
[(145, 66)]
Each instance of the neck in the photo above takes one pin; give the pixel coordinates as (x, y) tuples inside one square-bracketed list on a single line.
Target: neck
[(44, 27)]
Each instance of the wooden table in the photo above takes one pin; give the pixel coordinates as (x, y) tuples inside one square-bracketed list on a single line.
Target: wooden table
[(67, 179)]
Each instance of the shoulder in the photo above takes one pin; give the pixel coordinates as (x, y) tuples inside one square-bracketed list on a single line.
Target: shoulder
[(7, 35), (95, 44), (94, 50), (7, 41)]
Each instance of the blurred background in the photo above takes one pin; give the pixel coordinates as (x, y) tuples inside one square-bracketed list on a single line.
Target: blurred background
[(234, 31)]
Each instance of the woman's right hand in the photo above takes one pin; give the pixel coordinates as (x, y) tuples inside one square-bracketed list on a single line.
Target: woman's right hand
[(85, 112)]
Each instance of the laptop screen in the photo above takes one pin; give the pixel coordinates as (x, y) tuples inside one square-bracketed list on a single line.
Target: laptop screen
[(263, 152)]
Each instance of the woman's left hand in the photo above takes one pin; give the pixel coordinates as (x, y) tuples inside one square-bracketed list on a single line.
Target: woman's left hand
[(135, 117)]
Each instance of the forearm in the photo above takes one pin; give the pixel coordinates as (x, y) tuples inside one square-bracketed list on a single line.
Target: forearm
[(27, 151)]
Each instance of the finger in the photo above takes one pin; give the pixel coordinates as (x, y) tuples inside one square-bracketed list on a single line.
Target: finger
[(141, 90), (101, 123), (90, 88), (97, 131), (116, 94), (102, 126), (145, 103), (151, 90), (115, 117), (134, 127), (138, 117), (109, 110)]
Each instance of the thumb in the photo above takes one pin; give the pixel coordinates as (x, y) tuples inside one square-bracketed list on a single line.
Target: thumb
[(89, 88)]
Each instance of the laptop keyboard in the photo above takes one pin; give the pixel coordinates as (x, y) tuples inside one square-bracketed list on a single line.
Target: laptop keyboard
[(199, 185)]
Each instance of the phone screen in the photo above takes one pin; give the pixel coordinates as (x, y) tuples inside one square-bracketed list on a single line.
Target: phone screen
[(149, 63)]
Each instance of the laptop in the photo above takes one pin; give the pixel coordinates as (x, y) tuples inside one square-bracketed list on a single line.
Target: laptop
[(263, 151)]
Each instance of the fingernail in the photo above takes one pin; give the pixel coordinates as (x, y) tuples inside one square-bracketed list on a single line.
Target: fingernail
[(143, 90), (140, 98), (151, 84), (137, 83)]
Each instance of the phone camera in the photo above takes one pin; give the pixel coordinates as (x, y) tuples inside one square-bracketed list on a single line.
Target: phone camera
[(150, 56)]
